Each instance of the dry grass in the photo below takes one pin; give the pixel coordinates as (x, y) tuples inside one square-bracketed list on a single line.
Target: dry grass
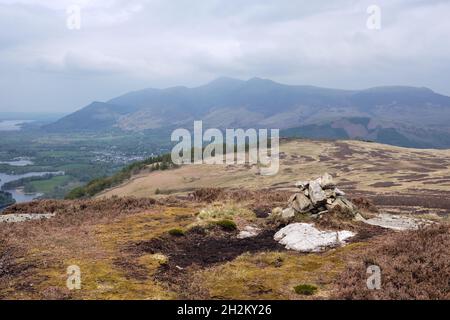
[(125, 251), (356, 165), (273, 275), (261, 202), (207, 194), (364, 205), (89, 234)]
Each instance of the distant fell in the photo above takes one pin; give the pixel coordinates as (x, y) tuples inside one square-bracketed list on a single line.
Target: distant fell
[(399, 115)]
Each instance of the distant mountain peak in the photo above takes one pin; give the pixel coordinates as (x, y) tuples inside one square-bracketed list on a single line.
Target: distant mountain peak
[(227, 102), (224, 80), (256, 79), (259, 80), (234, 81)]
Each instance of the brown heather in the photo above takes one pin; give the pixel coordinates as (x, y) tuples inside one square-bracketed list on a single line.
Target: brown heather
[(414, 265)]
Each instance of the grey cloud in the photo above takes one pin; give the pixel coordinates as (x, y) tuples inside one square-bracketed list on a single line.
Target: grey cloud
[(138, 44)]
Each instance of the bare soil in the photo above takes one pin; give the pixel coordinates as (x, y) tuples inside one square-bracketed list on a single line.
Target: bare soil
[(198, 249)]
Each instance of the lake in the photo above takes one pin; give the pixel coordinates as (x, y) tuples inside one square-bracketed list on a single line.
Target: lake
[(18, 163), (12, 125), (22, 197), (18, 195)]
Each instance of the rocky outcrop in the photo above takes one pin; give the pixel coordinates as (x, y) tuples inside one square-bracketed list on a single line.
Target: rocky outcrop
[(11, 218), (300, 203), (249, 232), (317, 197), (305, 237), (397, 222)]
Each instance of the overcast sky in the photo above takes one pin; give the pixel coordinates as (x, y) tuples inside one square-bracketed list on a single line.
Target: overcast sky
[(126, 45)]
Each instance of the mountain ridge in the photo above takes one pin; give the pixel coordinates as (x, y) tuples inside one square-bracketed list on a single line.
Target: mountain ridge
[(257, 102)]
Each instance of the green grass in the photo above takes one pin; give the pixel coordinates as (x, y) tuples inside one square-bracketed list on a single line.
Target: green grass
[(73, 166), (59, 154), (305, 289), (176, 232), (227, 225), (47, 186)]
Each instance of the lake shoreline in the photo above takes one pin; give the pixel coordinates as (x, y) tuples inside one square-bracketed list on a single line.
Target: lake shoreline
[(18, 193)]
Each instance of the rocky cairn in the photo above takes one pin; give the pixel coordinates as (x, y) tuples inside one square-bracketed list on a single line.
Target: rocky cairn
[(316, 198)]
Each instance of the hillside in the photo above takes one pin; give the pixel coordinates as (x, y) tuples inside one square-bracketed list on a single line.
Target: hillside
[(385, 174), (209, 232), (404, 116)]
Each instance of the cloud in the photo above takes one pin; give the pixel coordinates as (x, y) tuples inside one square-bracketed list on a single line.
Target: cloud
[(160, 43), (81, 62)]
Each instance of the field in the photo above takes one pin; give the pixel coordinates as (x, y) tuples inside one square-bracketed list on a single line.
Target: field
[(134, 242), (48, 186), (82, 156)]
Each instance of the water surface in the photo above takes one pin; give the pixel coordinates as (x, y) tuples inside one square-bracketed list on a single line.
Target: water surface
[(12, 125), (18, 163), (18, 194)]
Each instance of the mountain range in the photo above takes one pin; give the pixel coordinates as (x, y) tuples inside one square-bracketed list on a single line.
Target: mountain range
[(398, 115)]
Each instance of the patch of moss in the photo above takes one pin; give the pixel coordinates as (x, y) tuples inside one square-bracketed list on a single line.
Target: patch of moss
[(226, 225), (305, 289), (265, 269), (176, 232), (102, 280), (105, 272), (144, 225)]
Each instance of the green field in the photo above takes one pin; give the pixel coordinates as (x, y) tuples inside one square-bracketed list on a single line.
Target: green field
[(48, 186), (82, 157)]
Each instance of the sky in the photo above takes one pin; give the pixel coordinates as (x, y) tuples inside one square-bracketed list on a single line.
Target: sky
[(47, 65)]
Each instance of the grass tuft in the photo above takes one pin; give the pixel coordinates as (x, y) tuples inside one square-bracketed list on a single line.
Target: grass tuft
[(227, 225), (176, 232), (305, 289)]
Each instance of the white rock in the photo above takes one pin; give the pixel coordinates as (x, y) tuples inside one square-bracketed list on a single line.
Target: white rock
[(300, 203), (396, 222), (344, 204), (339, 192), (326, 181), (330, 193), (288, 213), (302, 184), (305, 237), (248, 232), (316, 194), (276, 211), (10, 218)]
